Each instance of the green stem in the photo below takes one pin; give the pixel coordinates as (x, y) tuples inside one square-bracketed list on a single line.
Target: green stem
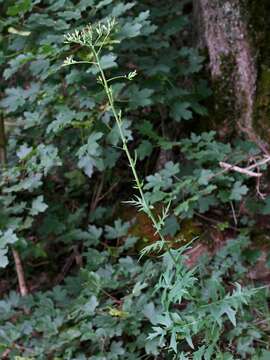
[(117, 117)]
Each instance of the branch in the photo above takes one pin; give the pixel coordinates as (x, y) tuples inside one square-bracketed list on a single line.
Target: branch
[(20, 273), (245, 171)]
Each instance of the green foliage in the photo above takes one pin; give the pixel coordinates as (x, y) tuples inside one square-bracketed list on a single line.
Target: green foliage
[(65, 182), (107, 310)]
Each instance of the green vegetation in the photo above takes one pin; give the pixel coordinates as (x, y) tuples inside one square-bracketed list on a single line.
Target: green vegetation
[(109, 191)]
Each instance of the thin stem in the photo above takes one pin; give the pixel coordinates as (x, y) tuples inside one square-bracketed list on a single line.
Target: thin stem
[(118, 120), (116, 77)]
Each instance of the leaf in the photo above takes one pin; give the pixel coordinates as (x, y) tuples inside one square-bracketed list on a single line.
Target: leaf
[(63, 119), (119, 229), (181, 110), (206, 202), (139, 97), (121, 8), (205, 176), (103, 3), (16, 97), (238, 191), (230, 313), (144, 149), (16, 63), (89, 154), (7, 237), (147, 129), (171, 226), (114, 135), (149, 311), (108, 61), (130, 30), (90, 307), (117, 348), (23, 151), (139, 286), (3, 258), (87, 163), (94, 234), (21, 7), (173, 342), (38, 206), (185, 205)]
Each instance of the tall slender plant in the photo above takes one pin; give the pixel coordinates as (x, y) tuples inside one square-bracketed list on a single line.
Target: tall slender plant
[(177, 282), (97, 37)]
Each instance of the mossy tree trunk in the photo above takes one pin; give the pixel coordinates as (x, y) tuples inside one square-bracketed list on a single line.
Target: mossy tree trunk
[(236, 35)]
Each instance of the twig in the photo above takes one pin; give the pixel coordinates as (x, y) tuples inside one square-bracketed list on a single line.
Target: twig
[(245, 171), (96, 195), (259, 163), (119, 302), (20, 273), (108, 192), (234, 214), (258, 182)]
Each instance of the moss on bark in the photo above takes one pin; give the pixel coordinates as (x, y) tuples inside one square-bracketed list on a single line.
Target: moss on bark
[(260, 31)]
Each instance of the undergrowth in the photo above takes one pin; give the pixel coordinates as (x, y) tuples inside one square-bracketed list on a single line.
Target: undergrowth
[(88, 141)]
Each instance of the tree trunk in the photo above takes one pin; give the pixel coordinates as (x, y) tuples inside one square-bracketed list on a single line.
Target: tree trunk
[(235, 34)]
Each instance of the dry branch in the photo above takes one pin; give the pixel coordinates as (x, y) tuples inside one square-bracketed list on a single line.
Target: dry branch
[(245, 171), (20, 273), (248, 170)]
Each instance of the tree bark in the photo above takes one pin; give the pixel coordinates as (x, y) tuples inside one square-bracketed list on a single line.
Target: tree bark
[(234, 33)]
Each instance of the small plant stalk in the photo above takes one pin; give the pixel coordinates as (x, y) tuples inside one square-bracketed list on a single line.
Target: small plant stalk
[(16, 255), (132, 162)]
